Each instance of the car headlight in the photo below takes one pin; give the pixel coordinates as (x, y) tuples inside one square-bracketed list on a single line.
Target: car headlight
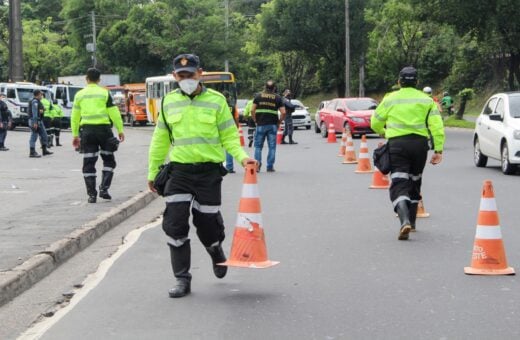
[(516, 134), (357, 120)]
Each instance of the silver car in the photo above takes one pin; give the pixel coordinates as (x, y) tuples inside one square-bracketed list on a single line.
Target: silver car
[(301, 116), (317, 122)]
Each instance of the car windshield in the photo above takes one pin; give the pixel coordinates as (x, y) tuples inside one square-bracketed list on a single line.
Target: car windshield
[(361, 104), (514, 106), (140, 99), (25, 95), (298, 103)]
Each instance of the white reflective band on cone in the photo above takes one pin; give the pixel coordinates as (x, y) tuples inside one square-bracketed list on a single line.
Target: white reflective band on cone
[(250, 191), (245, 219), (364, 155), (488, 204), (349, 148), (363, 145), (488, 233)]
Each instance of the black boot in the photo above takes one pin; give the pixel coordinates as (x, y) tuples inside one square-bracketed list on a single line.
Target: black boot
[(217, 256), (291, 141), (404, 217), (34, 154), (413, 214), (181, 262), (90, 183), (106, 180), (283, 140), (46, 152), (50, 141), (58, 141)]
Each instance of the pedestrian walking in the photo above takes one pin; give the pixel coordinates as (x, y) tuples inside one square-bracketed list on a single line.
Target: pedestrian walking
[(95, 112), (6, 119), (406, 118), (251, 126), (36, 110), (264, 112), (197, 121), (288, 122)]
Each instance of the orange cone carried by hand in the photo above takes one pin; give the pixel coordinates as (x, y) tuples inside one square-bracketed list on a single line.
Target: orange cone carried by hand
[(248, 248), (379, 181), (364, 165), (331, 134), (241, 135), (421, 211), (489, 257), (279, 135), (343, 145), (350, 154)]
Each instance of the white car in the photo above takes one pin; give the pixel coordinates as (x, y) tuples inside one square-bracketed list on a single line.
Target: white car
[(301, 116), (497, 132)]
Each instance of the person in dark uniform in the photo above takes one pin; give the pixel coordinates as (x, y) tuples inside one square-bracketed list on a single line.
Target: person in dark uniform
[(265, 115), (36, 111), (406, 118), (5, 122), (289, 109)]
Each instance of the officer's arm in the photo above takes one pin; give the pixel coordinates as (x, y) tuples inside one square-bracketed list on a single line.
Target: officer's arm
[(378, 119), (253, 112), (436, 128), (281, 107), (159, 147), (114, 114), (35, 110), (75, 116), (228, 132)]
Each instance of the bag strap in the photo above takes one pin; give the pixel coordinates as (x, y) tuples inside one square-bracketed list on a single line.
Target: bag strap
[(428, 128), (165, 122)]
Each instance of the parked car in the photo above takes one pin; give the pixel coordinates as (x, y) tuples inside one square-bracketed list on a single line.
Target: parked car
[(317, 121), (301, 115), (347, 113), (497, 132), (241, 104)]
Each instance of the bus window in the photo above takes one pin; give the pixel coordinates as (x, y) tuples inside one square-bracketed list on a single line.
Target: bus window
[(11, 93), (25, 95)]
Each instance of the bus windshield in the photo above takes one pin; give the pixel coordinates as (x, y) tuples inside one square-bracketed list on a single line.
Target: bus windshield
[(25, 95)]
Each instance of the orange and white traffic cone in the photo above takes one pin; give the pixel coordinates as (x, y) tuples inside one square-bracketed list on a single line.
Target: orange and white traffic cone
[(379, 181), (279, 135), (331, 134), (248, 248), (421, 211), (364, 166), (241, 135), (350, 153), (489, 257), (343, 145)]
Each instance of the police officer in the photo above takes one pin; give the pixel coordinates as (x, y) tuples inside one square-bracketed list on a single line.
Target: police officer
[(95, 112), (5, 122), (57, 114), (36, 111), (47, 119), (264, 112), (408, 115), (202, 127), (289, 109)]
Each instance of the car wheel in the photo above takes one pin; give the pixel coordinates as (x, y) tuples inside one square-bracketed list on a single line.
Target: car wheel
[(478, 157), (507, 168), (323, 128), (142, 123), (308, 127), (316, 128)]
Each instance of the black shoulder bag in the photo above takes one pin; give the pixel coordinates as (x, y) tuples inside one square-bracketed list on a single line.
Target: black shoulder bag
[(162, 177), (381, 158)]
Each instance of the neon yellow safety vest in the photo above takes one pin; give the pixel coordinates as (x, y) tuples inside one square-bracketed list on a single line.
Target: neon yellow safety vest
[(47, 107), (247, 109), (90, 108), (202, 128), (404, 113), (56, 111)]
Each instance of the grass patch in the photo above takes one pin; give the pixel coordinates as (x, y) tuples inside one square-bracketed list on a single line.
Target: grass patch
[(460, 123)]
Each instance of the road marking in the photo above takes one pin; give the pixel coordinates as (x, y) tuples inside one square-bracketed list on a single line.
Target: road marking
[(13, 192), (91, 282)]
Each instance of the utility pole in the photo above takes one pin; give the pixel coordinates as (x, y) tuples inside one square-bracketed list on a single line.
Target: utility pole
[(15, 42), (347, 50), (94, 47), (226, 15), (362, 76)]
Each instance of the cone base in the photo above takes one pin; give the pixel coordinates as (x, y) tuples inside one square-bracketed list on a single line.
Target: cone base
[(475, 271), (423, 215), (349, 162), (379, 187), (254, 265), (364, 171)]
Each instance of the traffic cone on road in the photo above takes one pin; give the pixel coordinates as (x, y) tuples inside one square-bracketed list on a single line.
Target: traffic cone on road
[(241, 135), (421, 211), (489, 257), (248, 248), (364, 165), (279, 135), (379, 181), (350, 154), (331, 134), (342, 147)]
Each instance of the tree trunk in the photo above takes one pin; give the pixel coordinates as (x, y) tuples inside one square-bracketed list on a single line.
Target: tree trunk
[(462, 108)]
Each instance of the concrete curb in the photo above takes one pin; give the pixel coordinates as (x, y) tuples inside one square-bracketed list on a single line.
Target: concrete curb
[(15, 281)]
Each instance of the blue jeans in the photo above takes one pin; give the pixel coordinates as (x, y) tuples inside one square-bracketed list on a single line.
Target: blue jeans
[(229, 161), (263, 132), (34, 135)]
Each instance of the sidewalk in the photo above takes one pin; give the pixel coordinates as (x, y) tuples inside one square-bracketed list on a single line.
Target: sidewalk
[(43, 203)]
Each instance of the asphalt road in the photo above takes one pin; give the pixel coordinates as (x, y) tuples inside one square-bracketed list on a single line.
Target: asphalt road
[(343, 274)]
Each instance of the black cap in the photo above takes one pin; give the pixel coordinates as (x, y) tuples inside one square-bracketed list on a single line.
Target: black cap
[(408, 75), (186, 62)]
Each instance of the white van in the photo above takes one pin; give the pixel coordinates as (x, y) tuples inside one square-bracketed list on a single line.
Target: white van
[(18, 96), (64, 94)]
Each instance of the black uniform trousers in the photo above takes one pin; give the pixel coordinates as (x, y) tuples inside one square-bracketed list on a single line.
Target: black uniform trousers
[(197, 186), (93, 143), (408, 156)]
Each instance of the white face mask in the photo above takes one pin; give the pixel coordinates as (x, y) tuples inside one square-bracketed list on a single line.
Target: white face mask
[(188, 86)]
